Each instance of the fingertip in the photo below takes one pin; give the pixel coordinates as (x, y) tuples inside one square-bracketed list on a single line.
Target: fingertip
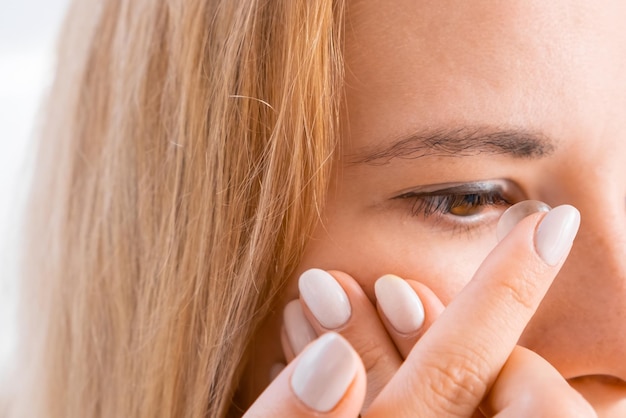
[(327, 379), (556, 232), (298, 330), (325, 298), (400, 304), (513, 215), (325, 372), (555, 228)]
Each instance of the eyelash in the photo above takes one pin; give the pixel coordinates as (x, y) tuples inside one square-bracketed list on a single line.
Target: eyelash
[(428, 205)]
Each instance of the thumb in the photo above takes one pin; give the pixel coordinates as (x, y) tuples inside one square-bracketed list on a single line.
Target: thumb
[(326, 380)]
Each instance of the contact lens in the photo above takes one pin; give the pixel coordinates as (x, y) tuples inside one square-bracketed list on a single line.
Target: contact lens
[(516, 213)]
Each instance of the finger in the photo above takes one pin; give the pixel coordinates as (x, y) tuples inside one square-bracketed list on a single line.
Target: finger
[(296, 332), (529, 386), (450, 370), (275, 370), (407, 309), (286, 345), (335, 301), (326, 380)]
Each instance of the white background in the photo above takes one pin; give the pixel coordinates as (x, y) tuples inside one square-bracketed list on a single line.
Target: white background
[(28, 30)]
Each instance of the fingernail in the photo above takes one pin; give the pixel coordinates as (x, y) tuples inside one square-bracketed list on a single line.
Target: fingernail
[(275, 370), (299, 331), (516, 213), (325, 298), (556, 232), (324, 372), (400, 304)]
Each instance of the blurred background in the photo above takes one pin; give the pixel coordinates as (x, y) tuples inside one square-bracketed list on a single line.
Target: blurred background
[(28, 31)]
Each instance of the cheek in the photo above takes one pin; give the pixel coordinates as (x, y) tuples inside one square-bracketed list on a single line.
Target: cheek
[(444, 262)]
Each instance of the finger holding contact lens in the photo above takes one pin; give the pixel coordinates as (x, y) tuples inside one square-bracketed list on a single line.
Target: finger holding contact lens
[(516, 213)]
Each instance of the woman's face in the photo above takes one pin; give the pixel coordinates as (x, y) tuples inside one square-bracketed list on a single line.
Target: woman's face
[(456, 110)]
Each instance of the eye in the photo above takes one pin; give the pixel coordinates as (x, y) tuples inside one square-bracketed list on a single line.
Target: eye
[(462, 204), (459, 205)]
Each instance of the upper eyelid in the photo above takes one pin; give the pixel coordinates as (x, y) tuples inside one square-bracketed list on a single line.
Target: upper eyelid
[(467, 188)]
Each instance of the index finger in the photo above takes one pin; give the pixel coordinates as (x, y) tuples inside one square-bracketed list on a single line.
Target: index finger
[(455, 363)]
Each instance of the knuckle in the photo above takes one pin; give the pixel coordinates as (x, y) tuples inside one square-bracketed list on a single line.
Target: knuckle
[(372, 355), (522, 291), (458, 380)]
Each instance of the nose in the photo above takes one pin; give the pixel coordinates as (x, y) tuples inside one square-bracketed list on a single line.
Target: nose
[(581, 325)]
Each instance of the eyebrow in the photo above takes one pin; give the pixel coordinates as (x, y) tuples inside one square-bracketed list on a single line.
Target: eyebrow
[(458, 142)]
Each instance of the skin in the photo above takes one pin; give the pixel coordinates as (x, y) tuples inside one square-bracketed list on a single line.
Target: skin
[(555, 68)]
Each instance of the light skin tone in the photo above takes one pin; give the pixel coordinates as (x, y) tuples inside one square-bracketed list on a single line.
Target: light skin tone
[(493, 103)]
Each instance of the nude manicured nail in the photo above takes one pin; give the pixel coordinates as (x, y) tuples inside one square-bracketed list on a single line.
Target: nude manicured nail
[(324, 372), (400, 304), (299, 331), (325, 297), (556, 232), (516, 213)]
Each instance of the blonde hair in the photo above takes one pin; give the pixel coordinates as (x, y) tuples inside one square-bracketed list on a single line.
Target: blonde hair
[(184, 158)]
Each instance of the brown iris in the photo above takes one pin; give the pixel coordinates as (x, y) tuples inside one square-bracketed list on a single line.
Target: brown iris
[(466, 205)]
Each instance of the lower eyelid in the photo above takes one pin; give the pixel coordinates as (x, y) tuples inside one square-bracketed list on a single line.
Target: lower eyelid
[(472, 223)]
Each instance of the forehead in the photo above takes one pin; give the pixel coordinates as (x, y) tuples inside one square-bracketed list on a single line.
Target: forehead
[(418, 62)]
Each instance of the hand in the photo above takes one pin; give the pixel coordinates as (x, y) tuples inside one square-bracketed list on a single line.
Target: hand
[(469, 358), (326, 379), (337, 302)]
